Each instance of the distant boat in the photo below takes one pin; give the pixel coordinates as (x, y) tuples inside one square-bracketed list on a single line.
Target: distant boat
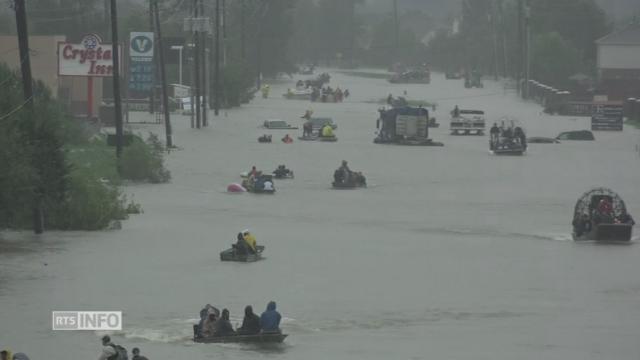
[(233, 255)]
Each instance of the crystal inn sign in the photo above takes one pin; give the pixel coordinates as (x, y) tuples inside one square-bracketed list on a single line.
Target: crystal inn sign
[(89, 58)]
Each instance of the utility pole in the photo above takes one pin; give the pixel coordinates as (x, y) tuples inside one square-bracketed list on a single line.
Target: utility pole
[(152, 96), (520, 41), (216, 75), (116, 78), (205, 68), (224, 33), (494, 29), (196, 55), (27, 88), (527, 49), (163, 77), (243, 10), (352, 31), (396, 26)]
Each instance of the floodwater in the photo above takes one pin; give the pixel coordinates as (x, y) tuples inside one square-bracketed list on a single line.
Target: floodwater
[(450, 253)]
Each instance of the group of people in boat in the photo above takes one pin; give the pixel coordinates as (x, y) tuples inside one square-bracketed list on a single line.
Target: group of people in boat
[(602, 213), (214, 323), (507, 136), (328, 94), (256, 180), (344, 176)]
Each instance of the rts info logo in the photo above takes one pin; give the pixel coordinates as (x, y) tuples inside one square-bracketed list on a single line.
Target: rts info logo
[(87, 320)]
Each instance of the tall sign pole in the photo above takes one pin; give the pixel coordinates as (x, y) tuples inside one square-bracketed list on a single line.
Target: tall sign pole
[(216, 76), (163, 77), (27, 85), (116, 79)]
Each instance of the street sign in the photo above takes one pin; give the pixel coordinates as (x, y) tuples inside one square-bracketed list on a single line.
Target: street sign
[(141, 65), (141, 45), (607, 117)]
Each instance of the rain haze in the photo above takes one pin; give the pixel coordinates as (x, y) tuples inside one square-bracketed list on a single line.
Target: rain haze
[(405, 179)]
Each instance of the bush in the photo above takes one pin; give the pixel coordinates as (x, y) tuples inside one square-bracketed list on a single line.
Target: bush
[(90, 204), (143, 161), (237, 84)]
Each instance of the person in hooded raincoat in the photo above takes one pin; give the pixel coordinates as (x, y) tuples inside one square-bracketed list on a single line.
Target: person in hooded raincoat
[(250, 240), (223, 325), (327, 131), (250, 323), (270, 319)]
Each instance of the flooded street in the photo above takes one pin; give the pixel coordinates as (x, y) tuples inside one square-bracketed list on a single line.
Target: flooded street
[(450, 253)]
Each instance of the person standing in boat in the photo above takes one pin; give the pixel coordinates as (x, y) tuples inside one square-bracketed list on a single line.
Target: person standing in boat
[(456, 112), (270, 319), (250, 323), (495, 133), (346, 172), (223, 325), (209, 326)]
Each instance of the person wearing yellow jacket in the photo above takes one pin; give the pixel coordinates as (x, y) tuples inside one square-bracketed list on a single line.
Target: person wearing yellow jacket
[(250, 240), (327, 131)]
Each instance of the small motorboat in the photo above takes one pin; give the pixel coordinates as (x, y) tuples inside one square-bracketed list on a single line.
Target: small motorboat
[(262, 338), (510, 140), (328, 138), (308, 138), (233, 254), (262, 184), (264, 139), (601, 215), (356, 180), (283, 173)]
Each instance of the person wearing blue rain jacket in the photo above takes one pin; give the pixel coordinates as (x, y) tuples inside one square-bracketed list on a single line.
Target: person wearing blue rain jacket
[(270, 319)]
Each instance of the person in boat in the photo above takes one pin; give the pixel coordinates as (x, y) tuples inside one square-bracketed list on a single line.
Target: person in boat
[(253, 172), (625, 218), (456, 112), (223, 325), (250, 241), (250, 323), (346, 93), (345, 172), (390, 99), (270, 319), (241, 247), (108, 349), (267, 185), (307, 115), (209, 326), (204, 314), (136, 355), (281, 171), (327, 131), (287, 139), (494, 132), (5, 355), (307, 129), (582, 224)]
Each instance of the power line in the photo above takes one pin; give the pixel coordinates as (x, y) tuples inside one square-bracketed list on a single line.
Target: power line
[(18, 108)]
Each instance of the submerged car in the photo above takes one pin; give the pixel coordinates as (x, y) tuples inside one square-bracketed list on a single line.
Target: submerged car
[(576, 135)]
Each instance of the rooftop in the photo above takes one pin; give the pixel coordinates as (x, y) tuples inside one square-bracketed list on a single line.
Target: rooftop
[(628, 36)]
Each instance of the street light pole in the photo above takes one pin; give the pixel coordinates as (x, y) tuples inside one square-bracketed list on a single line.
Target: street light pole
[(179, 48)]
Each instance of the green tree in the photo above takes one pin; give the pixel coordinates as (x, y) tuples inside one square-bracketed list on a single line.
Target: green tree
[(554, 59)]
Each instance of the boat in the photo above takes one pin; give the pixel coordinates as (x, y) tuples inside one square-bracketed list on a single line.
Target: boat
[(282, 173), (318, 123), (263, 338), (510, 140), (257, 185), (278, 125), (356, 180), (576, 135), (328, 138), (308, 138), (601, 215), (467, 122), (264, 139), (433, 123), (232, 255), (404, 126)]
